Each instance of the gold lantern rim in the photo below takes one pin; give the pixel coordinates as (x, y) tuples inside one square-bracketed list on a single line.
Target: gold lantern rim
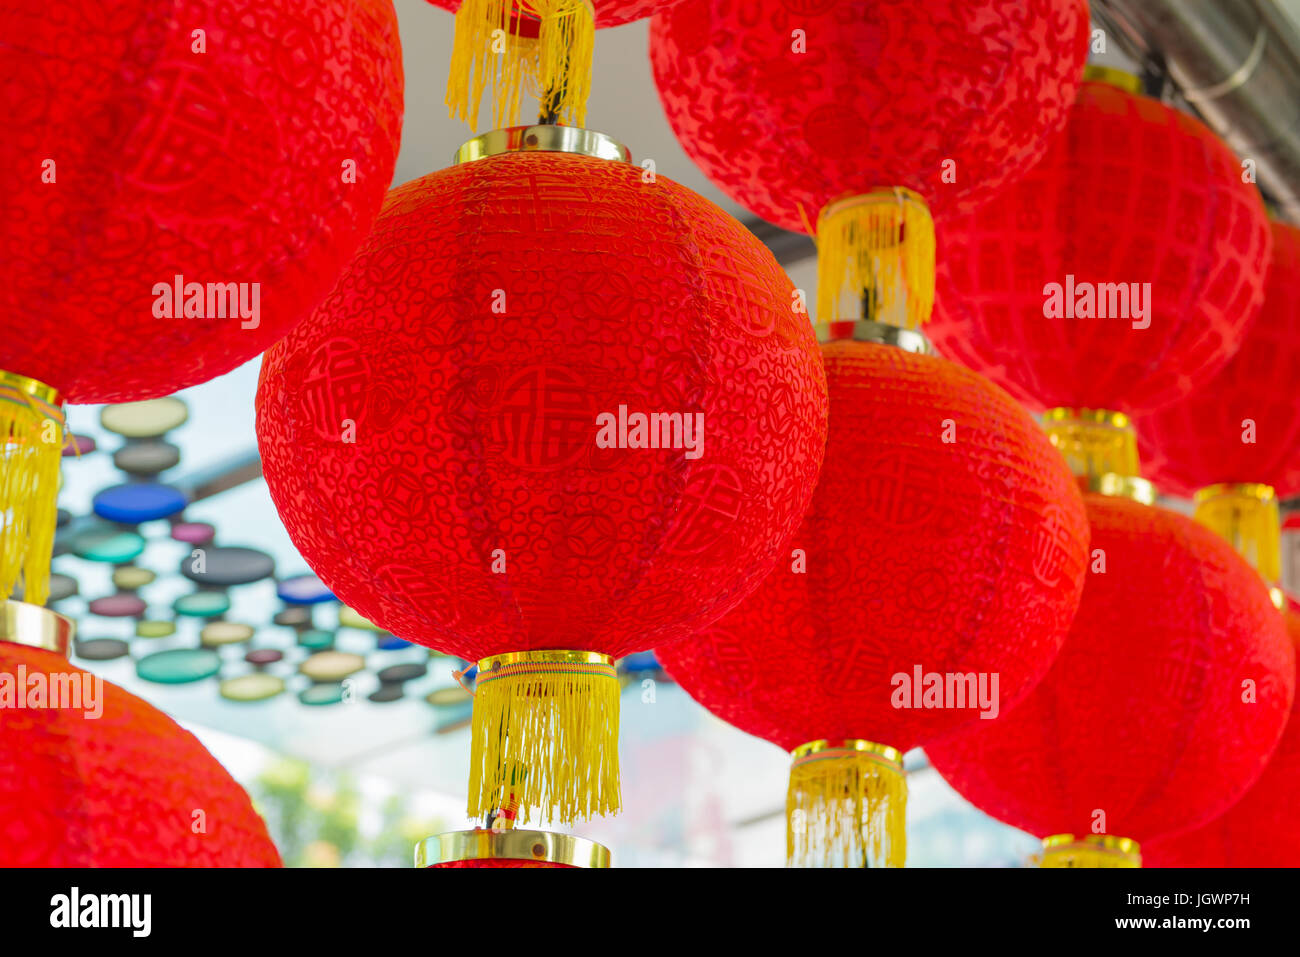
[(544, 655), (22, 623), (1120, 486), (1111, 843), (483, 844), (1105, 417), (32, 387), (872, 748), (879, 333), (543, 138)]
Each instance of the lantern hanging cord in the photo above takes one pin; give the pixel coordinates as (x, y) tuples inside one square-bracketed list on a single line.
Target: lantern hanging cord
[(463, 678), (553, 98)]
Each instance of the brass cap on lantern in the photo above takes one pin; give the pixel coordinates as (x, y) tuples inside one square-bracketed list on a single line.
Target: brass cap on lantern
[(1091, 850), (34, 388), (1121, 486), (871, 750), (881, 333), (484, 844), (22, 623), (543, 138)]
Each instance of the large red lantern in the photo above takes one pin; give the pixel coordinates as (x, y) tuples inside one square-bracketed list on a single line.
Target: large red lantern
[(1260, 830), (946, 541), (91, 776), (1234, 444), (848, 113), (542, 47), (258, 150), (554, 413), (1119, 274), (184, 182), (1163, 708), (1243, 424)]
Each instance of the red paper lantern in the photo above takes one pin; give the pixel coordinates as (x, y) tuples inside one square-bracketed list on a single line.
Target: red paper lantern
[(134, 157), (790, 104), (609, 13), (1260, 830), (184, 182), (1166, 701), (1133, 192), (865, 116), (1243, 425), (945, 535), (128, 787), (451, 439)]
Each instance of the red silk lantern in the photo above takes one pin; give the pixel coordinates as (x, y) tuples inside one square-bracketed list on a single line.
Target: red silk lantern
[(1259, 830), (121, 788), (1234, 444), (226, 165), (1141, 727), (1133, 192), (860, 95), (1242, 425), (184, 182), (451, 439), (946, 535), (849, 112)]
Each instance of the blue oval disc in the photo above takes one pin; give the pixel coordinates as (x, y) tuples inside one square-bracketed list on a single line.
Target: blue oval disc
[(303, 590), (138, 502)]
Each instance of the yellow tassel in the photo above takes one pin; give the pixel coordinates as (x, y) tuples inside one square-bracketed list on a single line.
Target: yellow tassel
[(540, 47), (1093, 441), (1100, 448), (1093, 850), (31, 426), (545, 735), (1246, 515), (875, 259), (847, 806)]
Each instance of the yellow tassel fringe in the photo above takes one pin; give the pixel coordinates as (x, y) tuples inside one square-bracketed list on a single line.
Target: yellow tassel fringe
[(1093, 441), (545, 736), (875, 259), (846, 807), (494, 46), (1246, 515), (1093, 850), (31, 427)]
